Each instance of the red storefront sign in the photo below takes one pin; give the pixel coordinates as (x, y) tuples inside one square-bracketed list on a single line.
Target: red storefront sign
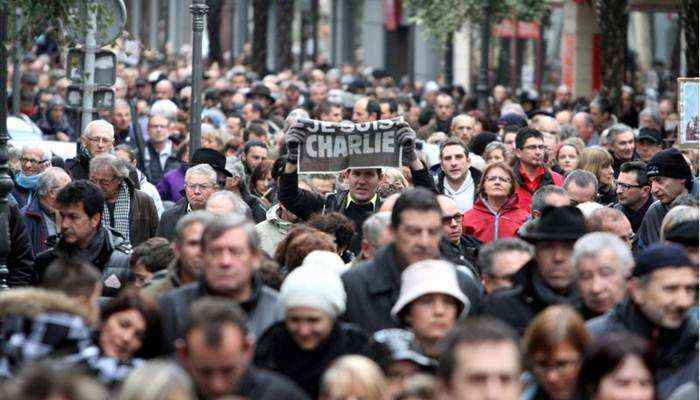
[(524, 30), (568, 52)]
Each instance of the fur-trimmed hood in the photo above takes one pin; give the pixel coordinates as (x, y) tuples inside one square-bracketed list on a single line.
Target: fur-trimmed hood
[(32, 302)]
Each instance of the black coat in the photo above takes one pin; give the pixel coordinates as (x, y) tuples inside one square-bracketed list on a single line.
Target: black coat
[(169, 218), (153, 170), (676, 350), (373, 288), (259, 384), (519, 305), (16, 253), (277, 351)]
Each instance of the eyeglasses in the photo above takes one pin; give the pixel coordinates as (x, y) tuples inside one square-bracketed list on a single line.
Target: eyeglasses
[(535, 147), (103, 182), (32, 161), (627, 186), (99, 140), (495, 178), (559, 366), (447, 219), (198, 187)]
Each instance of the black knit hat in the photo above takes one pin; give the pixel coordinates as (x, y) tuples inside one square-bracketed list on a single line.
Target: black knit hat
[(660, 255), (650, 134), (670, 163), (557, 224)]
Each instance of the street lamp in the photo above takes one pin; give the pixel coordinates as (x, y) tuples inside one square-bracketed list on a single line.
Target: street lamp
[(6, 184), (199, 11)]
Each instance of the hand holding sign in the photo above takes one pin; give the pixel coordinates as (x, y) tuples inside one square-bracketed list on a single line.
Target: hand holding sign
[(293, 138), (407, 139)]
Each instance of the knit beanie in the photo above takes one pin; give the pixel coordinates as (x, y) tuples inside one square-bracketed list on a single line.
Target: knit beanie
[(660, 255), (670, 163), (316, 287)]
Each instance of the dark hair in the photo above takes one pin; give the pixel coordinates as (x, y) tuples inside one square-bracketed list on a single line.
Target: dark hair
[(258, 174), (472, 331), (373, 108), (255, 129), (639, 169), (71, 276), (540, 196), (393, 104), (554, 325), (303, 244), (605, 355), (182, 148), (335, 224), (525, 134), (253, 143), (603, 104), (453, 141), (155, 254), (211, 314), (130, 299), (417, 198), (85, 192), (128, 150)]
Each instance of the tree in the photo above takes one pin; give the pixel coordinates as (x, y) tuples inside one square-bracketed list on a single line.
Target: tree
[(259, 45), (285, 15), (613, 18), (689, 13)]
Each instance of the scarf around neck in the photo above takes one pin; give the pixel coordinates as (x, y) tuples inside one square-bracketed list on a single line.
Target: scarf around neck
[(28, 182), (121, 213)]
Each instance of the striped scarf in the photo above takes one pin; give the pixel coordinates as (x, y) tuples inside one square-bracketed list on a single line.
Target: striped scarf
[(121, 213)]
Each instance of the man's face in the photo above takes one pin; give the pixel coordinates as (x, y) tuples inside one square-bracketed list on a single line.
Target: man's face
[(56, 113), (444, 107), (229, 262), (198, 188), (309, 327), (432, 316), (580, 194), (623, 145), (233, 124), (249, 113), (216, 370), (504, 266), (601, 281), (164, 90), (485, 371), (454, 162), (363, 183), (322, 186), (666, 189), (97, 141), (158, 130), (385, 111), (255, 156), (451, 220), (647, 148), (532, 153), (121, 118), (107, 180), (318, 93), (189, 249), (335, 114), (509, 140), (464, 128), (554, 264), (418, 235), (667, 297), (76, 227), (359, 112), (599, 118), (629, 193), (33, 162), (239, 82)]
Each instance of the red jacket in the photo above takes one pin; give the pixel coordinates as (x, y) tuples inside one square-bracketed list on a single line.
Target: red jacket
[(488, 225), (527, 187)]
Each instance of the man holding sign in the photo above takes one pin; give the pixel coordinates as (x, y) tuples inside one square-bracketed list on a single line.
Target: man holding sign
[(363, 149)]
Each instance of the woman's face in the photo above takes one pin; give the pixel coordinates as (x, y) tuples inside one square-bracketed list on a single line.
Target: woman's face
[(123, 334), (432, 315), (631, 380), (605, 175), (308, 326), (557, 371), (497, 183), (495, 156), (568, 158), (263, 184)]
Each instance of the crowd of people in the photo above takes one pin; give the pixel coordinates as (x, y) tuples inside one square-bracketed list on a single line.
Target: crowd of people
[(536, 248)]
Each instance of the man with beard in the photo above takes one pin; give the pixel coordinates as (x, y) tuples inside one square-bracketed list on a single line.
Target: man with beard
[(663, 288), (187, 264), (633, 192), (373, 287)]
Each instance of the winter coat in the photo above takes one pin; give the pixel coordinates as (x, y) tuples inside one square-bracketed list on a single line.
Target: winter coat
[(50, 128), (153, 170), (272, 230), (259, 384), (487, 224), (546, 177), (263, 309), (373, 288), (650, 230), (143, 217), (168, 221), (16, 253), (676, 350), (519, 305), (277, 351), (163, 281), (112, 260), (171, 185), (33, 217)]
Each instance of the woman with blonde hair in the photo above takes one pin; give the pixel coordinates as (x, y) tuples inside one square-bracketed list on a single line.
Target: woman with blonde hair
[(157, 380), (356, 377), (599, 161)]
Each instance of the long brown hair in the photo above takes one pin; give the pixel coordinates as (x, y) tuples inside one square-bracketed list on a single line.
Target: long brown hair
[(507, 169)]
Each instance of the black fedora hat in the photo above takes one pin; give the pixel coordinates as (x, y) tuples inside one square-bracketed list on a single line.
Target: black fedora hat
[(212, 157), (557, 224), (260, 90)]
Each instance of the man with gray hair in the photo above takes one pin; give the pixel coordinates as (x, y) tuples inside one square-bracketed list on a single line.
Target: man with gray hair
[(201, 181), (33, 161), (501, 259), (622, 146), (375, 234), (584, 125), (186, 267), (603, 264), (230, 256), (41, 215), (650, 118), (582, 186), (224, 202), (128, 210), (97, 138)]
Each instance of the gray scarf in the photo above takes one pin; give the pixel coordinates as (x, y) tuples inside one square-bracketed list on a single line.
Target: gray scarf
[(121, 213)]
